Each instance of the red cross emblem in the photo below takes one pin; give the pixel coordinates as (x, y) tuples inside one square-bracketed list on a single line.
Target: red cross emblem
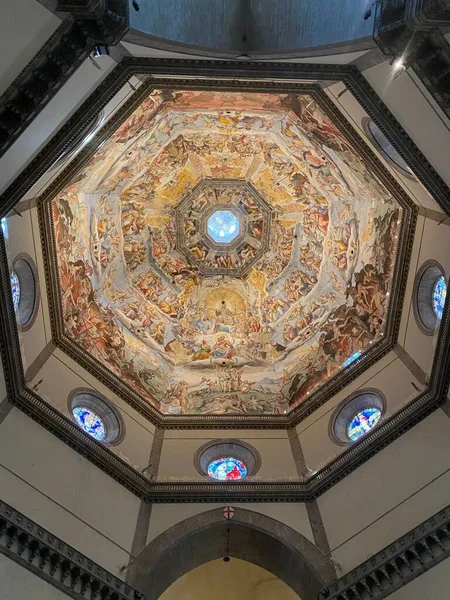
[(228, 512)]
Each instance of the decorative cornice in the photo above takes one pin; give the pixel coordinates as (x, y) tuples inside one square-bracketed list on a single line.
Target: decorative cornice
[(48, 557), (236, 76), (91, 23), (396, 565)]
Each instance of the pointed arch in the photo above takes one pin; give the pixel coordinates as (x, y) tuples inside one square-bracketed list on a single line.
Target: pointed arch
[(250, 536)]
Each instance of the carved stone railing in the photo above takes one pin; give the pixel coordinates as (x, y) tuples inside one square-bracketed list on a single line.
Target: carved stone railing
[(62, 566), (397, 564)]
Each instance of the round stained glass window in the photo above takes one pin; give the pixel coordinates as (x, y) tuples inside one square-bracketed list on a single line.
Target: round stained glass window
[(439, 293), (15, 289), (227, 469), (223, 226), (89, 422), (386, 148), (363, 422)]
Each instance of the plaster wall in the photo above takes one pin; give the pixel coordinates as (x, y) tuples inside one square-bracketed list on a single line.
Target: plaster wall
[(24, 28), (390, 494), (57, 111), (389, 375), (417, 115), (165, 516), (237, 580), (17, 583), (179, 448), (119, 98), (60, 376), (432, 585), (414, 266), (59, 489), (355, 113), (434, 243), (290, 25), (23, 237)]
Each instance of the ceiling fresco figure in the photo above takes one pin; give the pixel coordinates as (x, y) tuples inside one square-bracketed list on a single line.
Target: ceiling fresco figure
[(249, 325)]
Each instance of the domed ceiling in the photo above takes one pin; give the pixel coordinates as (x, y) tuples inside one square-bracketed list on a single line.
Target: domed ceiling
[(226, 252)]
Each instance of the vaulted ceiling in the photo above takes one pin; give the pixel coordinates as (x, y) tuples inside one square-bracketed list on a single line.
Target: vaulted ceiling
[(227, 252), (249, 324)]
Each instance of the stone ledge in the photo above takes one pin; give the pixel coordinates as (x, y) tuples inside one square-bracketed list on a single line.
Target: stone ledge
[(397, 564), (48, 557)]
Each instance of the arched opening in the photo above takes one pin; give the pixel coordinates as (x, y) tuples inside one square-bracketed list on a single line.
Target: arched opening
[(248, 536), (235, 579)]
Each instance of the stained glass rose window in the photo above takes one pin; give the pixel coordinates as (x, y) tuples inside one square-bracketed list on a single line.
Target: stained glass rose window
[(227, 469)]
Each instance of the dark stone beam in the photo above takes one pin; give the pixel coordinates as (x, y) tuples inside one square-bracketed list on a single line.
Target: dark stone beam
[(145, 508), (411, 364), (434, 215), (99, 23), (414, 31), (5, 409), (40, 361), (315, 518)]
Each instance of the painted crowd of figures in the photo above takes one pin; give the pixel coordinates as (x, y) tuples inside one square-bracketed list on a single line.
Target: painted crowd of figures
[(211, 345)]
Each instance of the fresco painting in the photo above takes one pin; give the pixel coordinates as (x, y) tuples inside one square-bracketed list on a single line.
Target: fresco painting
[(254, 342)]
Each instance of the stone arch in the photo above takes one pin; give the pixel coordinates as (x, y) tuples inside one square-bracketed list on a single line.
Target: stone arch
[(252, 537)]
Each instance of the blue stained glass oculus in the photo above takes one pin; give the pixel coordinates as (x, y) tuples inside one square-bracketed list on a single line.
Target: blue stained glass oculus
[(15, 289), (227, 469), (4, 224), (363, 422), (223, 226), (439, 293), (89, 422), (351, 358)]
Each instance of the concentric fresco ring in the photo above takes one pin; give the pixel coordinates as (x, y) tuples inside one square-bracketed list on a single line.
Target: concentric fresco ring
[(251, 326)]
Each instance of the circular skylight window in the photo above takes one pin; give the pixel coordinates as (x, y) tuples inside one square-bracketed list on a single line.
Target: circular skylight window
[(90, 422), (223, 226), (15, 289), (227, 460), (363, 422), (96, 416), (439, 293), (227, 469), (429, 296), (24, 290), (385, 147), (357, 415)]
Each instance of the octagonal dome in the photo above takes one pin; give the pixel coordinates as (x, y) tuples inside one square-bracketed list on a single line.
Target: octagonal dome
[(252, 326), (223, 227)]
